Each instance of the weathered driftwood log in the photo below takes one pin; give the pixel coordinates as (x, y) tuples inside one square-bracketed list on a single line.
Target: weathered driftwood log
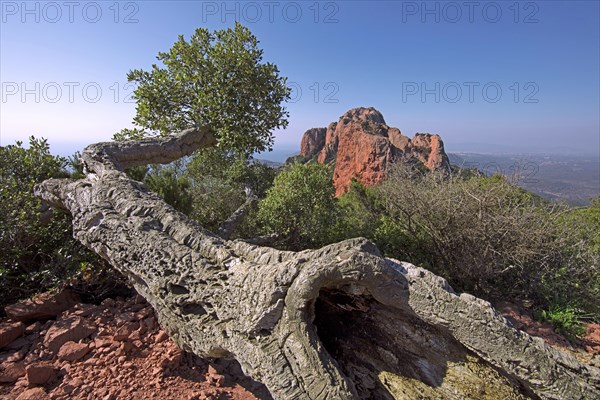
[(340, 322)]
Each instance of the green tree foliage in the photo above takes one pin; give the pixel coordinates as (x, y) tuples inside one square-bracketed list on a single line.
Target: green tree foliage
[(358, 212), (172, 184), (220, 182), (301, 206), (216, 79), (75, 165), (38, 251)]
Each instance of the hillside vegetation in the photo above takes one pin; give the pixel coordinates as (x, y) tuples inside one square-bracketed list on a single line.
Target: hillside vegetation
[(485, 235)]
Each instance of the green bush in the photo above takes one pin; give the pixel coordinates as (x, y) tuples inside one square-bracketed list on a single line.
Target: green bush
[(75, 166), (301, 206), (172, 184), (577, 279), (38, 251), (358, 213), (220, 180), (566, 319)]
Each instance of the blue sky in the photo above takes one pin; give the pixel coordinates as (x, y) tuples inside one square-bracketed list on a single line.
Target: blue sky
[(509, 76)]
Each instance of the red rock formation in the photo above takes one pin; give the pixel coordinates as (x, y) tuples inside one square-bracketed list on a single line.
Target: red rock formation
[(363, 146), (313, 141), (430, 151)]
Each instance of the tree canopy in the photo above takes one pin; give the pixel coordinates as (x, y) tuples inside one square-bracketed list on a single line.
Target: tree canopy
[(216, 79)]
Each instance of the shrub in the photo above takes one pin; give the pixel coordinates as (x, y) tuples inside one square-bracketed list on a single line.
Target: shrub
[(489, 237), (220, 182), (358, 213), (38, 251), (172, 184), (566, 320), (577, 280), (301, 206)]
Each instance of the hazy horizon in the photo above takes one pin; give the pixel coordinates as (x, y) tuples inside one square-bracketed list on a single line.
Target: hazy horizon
[(521, 77)]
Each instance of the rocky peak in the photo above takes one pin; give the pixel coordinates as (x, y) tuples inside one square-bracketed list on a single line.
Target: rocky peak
[(362, 114), (363, 146)]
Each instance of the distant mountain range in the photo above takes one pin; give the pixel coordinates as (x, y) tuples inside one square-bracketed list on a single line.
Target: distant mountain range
[(574, 178), (505, 148)]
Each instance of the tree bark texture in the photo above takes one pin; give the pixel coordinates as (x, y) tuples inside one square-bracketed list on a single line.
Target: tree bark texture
[(340, 322)]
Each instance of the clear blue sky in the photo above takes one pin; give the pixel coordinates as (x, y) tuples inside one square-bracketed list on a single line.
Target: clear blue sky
[(396, 56)]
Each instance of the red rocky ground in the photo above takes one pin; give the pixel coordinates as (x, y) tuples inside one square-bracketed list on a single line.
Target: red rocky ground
[(587, 349), (112, 351), (116, 350)]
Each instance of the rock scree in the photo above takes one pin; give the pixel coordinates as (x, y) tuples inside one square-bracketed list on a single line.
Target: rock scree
[(105, 363)]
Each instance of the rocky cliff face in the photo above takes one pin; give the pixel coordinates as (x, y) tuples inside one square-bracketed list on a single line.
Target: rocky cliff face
[(313, 140), (363, 147)]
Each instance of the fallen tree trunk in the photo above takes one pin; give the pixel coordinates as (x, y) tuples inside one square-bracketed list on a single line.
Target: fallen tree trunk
[(340, 322)]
